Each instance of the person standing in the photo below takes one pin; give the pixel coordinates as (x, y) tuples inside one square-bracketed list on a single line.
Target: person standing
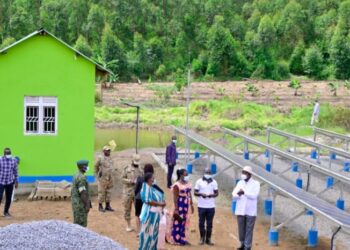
[(104, 173), (138, 187), (315, 113), (246, 192), (183, 204), (8, 178), (153, 204), (170, 159), (130, 175), (206, 189), (81, 203)]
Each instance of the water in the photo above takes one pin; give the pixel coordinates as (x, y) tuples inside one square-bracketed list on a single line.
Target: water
[(126, 138)]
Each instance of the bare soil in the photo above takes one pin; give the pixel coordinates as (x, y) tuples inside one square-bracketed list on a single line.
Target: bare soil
[(112, 224), (275, 93)]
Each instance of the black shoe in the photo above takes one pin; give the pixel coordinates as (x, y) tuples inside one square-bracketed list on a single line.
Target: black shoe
[(7, 214), (208, 238), (247, 248), (241, 247), (100, 208), (108, 207)]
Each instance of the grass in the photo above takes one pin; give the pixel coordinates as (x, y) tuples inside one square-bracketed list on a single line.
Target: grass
[(244, 116)]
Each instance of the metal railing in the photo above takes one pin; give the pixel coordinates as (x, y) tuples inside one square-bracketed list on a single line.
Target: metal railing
[(303, 140), (333, 135), (273, 150)]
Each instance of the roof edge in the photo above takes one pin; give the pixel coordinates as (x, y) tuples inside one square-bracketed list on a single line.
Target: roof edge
[(43, 31)]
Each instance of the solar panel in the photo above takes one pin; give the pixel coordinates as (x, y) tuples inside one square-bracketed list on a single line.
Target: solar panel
[(309, 200)]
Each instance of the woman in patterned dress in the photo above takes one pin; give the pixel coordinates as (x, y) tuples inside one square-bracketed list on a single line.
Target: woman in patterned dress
[(153, 202), (183, 204)]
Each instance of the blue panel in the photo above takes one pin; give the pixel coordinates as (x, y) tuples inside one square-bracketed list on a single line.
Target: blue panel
[(69, 178), (273, 237), (197, 154), (268, 167), (189, 168), (233, 206), (268, 207), (313, 238), (213, 168)]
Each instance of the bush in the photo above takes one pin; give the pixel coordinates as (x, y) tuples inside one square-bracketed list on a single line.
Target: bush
[(180, 79), (283, 70), (313, 63), (161, 71)]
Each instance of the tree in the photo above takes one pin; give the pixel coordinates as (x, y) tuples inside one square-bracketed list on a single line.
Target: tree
[(295, 84), (112, 49), (21, 21), (7, 41), (54, 17), (82, 46), (94, 25), (313, 63), (333, 86), (79, 10), (340, 45), (224, 53), (296, 59)]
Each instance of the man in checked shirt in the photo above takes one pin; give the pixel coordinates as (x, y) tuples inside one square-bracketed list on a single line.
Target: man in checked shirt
[(8, 178)]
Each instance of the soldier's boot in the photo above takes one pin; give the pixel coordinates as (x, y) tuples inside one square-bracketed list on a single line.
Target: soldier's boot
[(108, 207), (100, 208), (202, 239), (208, 240)]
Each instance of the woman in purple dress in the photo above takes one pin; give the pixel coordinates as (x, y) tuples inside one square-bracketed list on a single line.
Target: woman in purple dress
[(183, 205)]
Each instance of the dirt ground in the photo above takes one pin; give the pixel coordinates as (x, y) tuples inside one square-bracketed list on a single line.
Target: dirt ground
[(274, 93), (112, 224)]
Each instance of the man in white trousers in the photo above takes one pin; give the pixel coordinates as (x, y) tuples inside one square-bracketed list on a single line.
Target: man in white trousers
[(246, 193)]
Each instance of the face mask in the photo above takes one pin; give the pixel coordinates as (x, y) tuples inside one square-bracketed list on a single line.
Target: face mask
[(207, 176), (154, 182), (8, 156), (87, 169), (187, 178), (244, 177), (174, 141)]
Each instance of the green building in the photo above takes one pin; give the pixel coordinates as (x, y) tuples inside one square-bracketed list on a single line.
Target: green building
[(47, 96)]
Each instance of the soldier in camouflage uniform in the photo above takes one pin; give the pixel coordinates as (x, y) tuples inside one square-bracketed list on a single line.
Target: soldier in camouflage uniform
[(103, 171), (81, 203), (130, 174)]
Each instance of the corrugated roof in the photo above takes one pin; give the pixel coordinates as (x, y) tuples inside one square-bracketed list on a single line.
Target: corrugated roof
[(43, 31)]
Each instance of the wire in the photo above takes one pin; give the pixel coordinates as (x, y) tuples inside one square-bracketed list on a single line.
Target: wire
[(333, 237)]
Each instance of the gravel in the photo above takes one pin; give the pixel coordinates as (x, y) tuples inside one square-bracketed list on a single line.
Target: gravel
[(53, 234)]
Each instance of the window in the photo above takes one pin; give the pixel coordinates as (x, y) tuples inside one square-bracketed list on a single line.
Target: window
[(40, 115)]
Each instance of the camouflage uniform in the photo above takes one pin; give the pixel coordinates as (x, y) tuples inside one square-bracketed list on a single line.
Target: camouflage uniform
[(104, 171), (129, 177), (80, 184)]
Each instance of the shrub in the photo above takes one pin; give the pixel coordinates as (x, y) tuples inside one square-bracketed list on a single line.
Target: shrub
[(295, 84)]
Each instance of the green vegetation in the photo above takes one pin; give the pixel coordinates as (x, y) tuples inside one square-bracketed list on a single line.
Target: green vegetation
[(235, 115), (221, 39)]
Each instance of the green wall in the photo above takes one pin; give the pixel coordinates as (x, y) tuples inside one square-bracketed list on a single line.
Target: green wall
[(42, 66)]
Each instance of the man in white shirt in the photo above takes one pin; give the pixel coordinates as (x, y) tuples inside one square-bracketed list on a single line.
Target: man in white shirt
[(315, 113), (206, 190), (246, 193)]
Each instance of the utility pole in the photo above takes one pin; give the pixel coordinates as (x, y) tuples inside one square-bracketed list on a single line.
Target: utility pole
[(187, 151), (137, 123)]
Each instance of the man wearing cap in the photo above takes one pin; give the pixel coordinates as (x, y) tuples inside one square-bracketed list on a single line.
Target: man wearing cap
[(130, 175), (206, 190), (170, 159), (103, 172), (8, 178), (246, 193), (81, 203)]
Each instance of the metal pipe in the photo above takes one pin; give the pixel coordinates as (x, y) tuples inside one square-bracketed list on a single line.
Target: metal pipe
[(290, 220)]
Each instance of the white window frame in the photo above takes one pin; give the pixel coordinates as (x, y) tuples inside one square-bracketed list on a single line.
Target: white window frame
[(41, 102)]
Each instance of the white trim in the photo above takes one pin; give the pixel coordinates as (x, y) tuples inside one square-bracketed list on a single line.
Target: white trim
[(41, 102)]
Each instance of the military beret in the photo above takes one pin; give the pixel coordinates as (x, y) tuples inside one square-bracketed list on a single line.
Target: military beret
[(82, 163)]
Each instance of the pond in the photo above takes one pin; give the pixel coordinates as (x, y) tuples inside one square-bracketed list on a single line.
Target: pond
[(126, 138)]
